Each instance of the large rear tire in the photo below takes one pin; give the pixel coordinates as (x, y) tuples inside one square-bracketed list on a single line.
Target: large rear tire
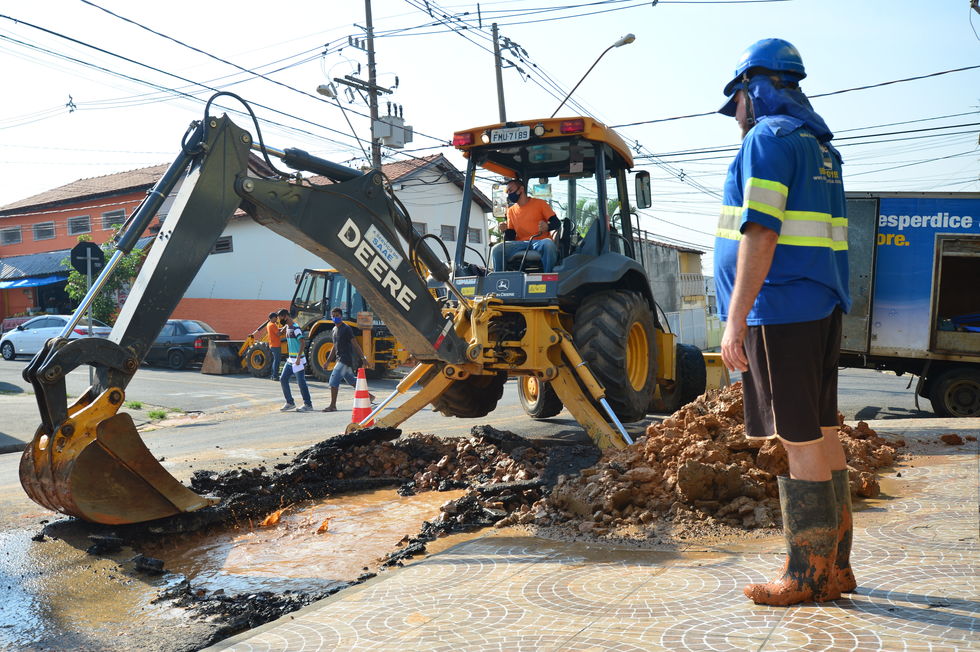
[(474, 397), (316, 355), (538, 397), (258, 360), (690, 381), (614, 333), (956, 393)]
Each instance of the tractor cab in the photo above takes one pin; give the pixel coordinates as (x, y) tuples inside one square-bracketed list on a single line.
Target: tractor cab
[(580, 167)]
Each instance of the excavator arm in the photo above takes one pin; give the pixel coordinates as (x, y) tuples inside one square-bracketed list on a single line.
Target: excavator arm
[(88, 461)]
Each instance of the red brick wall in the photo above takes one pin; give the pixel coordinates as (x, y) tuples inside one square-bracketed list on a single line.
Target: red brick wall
[(94, 208), (236, 317), (15, 300)]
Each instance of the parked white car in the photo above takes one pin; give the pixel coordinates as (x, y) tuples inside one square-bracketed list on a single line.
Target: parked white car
[(29, 337)]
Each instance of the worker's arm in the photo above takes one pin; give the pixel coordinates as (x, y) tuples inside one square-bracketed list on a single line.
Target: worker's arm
[(755, 252)]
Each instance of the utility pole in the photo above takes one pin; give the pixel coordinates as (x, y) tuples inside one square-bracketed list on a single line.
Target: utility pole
[(373, 85), (500, 80)]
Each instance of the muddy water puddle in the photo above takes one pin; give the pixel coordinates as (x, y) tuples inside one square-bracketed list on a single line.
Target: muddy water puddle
[(56, 596), (313, 546)]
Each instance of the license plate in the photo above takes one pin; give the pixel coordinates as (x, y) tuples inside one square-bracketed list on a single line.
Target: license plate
[(510, 134)]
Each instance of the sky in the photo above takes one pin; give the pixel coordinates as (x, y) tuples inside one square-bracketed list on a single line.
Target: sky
[(88, 93)]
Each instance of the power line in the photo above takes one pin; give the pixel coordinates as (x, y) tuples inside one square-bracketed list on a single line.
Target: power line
[(845, 90)]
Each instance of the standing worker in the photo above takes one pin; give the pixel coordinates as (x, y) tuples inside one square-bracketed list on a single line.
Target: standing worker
[(347, 357), (529, 224), (781, 275), (273, 333), (295, 364)]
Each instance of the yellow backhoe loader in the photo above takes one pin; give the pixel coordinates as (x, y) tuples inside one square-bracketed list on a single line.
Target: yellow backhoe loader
[(586, 333)]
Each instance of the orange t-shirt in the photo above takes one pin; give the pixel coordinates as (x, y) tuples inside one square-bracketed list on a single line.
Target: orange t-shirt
[(273, 331), (524, 219)]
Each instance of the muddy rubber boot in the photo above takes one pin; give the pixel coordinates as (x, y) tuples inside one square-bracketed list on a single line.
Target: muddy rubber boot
[(845, 531), (810, 526)]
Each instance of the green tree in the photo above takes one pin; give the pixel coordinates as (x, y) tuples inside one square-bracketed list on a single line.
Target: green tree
[(104, 308)]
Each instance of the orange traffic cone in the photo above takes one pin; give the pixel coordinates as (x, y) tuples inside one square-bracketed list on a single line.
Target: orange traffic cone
[(362, 400)]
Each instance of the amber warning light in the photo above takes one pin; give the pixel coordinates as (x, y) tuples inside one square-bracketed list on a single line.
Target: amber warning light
[(462, 139), (572, 126)]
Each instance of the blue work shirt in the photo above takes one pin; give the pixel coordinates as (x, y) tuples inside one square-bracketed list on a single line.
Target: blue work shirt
[(786, 180)]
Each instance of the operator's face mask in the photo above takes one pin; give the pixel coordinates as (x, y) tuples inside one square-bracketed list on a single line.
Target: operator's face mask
[(337, 320), (512, 197)]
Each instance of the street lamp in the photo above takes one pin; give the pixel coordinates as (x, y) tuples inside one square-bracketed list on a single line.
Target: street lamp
[(626, 40)]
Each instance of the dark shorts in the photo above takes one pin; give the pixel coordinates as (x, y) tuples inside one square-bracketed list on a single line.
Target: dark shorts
[(790, 388)]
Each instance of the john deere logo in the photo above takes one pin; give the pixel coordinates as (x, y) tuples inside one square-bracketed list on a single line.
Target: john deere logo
[(503, 285)]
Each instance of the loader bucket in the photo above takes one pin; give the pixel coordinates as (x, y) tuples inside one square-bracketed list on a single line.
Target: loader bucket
[(97, 468), (223, 358)]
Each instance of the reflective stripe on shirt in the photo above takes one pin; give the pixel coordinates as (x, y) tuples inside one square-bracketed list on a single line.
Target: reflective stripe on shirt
[(800, 228), (768, 197)]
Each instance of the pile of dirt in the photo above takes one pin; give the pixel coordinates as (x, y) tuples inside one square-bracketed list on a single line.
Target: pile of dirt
[(693, 474)]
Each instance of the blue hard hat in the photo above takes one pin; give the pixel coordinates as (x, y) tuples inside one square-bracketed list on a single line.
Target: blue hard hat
[(769, 53)]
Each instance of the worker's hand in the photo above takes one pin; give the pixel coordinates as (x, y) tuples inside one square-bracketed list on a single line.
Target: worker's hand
[(733, 346), (542, 227)]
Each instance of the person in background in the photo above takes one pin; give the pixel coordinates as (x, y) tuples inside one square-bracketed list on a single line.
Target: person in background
[(347, 356), (782, 282), (273, 335), (295, 364)]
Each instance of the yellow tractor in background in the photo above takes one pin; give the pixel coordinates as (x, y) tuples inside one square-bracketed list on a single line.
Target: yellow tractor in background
[(318, 291)]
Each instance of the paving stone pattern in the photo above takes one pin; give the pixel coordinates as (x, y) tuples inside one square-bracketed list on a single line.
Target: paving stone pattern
[(916, 559)]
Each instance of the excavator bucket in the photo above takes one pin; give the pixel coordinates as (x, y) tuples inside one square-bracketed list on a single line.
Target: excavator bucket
[(222, 358), (97, 468)]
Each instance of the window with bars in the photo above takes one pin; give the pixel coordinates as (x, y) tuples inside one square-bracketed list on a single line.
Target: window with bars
[(473, 235), (447, 232), (79, 224), (420, 227), (222, 245), (112, 219), (44, 231), (10, 236)]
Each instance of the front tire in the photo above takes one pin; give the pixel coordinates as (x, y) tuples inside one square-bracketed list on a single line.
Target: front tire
[(7, 351), (538, 397), (474, 397), (258, 359), (690, 381), (614, 333), (956, 393)]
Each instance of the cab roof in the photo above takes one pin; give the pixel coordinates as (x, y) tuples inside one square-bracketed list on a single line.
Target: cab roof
[(552, 144)]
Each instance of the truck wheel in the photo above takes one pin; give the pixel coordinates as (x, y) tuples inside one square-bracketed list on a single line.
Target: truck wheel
[(690, 383), (476, 396), (258, 359), (176, 359), (316, 355), (956, 393), (7, 351), (538, 397), (614, 333)]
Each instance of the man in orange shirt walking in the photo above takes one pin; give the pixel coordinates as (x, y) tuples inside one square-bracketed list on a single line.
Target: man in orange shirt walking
[(529, 224)]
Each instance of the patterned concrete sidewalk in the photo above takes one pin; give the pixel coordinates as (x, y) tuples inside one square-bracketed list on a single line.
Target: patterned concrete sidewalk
[(916, 556)]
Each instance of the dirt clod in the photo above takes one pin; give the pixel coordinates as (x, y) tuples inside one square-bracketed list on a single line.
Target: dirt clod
[(951, 439)]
